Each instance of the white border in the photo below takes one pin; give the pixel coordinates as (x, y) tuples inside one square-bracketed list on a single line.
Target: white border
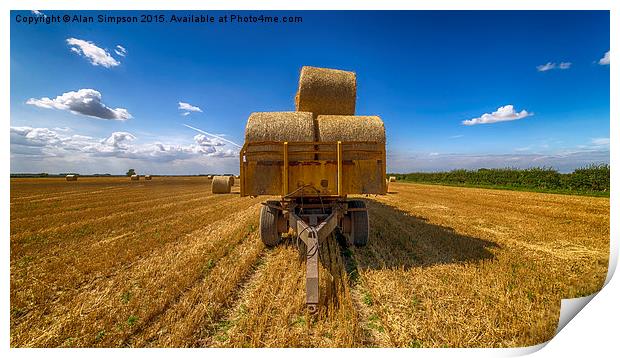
[(592, 331)]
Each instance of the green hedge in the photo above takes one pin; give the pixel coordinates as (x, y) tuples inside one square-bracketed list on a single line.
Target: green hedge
[(593, 177)]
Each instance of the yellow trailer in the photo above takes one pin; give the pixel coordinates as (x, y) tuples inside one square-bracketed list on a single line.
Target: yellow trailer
[(313, 159), (313, 193)]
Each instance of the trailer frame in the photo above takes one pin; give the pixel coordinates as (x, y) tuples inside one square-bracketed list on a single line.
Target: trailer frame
[(317, 207)]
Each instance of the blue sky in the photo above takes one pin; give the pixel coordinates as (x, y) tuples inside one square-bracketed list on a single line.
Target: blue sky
[(424, 73)]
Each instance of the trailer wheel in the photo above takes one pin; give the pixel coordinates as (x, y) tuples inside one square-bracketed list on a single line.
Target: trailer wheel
[(360, 225), (269, 226)]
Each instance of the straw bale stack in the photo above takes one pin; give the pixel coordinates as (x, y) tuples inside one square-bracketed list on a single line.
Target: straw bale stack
[(279, 127), (326, 91), (350, 129)]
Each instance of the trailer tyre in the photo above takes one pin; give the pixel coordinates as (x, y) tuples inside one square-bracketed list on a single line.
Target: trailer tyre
[(360, 225), (269, 226)]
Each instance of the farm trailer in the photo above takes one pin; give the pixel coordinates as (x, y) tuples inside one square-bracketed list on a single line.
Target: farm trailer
[(313, 193)]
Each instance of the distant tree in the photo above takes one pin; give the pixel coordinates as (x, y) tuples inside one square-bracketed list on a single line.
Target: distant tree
[(131, 172)]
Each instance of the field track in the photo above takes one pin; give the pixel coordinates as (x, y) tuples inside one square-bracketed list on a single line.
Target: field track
[(107, 262)]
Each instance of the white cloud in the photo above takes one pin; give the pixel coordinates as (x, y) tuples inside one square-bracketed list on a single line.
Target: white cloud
[(600, 141), (118, 139), (503, 114), (605, 60), (203, 140), (457, 136), (85, 102), (34, 137), (546, 67), (553, 66), (44, 142), (565, 65), (120, 50), (184, 106), (524, 149), (38, 13), (96, 55)]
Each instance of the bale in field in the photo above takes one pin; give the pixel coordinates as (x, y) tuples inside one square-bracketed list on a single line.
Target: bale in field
[(351, 129), (209, 176), (326, 91), (71, 177), (135, 177), (392, 179), (220, 185), (279, 127), (147, 177), (231, 180)]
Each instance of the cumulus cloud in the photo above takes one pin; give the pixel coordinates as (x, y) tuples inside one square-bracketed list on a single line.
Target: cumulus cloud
[(93, 53), (118, 139), (44, 142), (203, 140), (38, 13), (503, 114), (120, 50), (605, 59), (86, 102), (188, 108), (553, 66), (34, 137)]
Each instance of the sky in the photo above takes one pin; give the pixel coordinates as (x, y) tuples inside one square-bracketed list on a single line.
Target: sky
[(455, 89)]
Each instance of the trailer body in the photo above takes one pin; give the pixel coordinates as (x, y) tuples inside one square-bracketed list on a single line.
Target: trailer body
[(313, 193), (344, 168)]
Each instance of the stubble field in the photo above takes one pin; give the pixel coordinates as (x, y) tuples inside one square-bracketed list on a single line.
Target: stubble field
[(106, 262)]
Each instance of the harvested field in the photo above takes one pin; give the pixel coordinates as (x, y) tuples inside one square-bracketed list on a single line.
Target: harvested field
[(105, 262)]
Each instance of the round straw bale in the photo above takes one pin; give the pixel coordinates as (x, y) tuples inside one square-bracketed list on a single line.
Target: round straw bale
[(71, 177), (351, 129), (209, 176), (326, 91), (220, 185), (279, 127), (135, 177), (392, 179), (231, 180), (148, 177)]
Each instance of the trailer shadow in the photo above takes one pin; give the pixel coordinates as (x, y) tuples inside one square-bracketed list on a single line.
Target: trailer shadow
[(398, 239)]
